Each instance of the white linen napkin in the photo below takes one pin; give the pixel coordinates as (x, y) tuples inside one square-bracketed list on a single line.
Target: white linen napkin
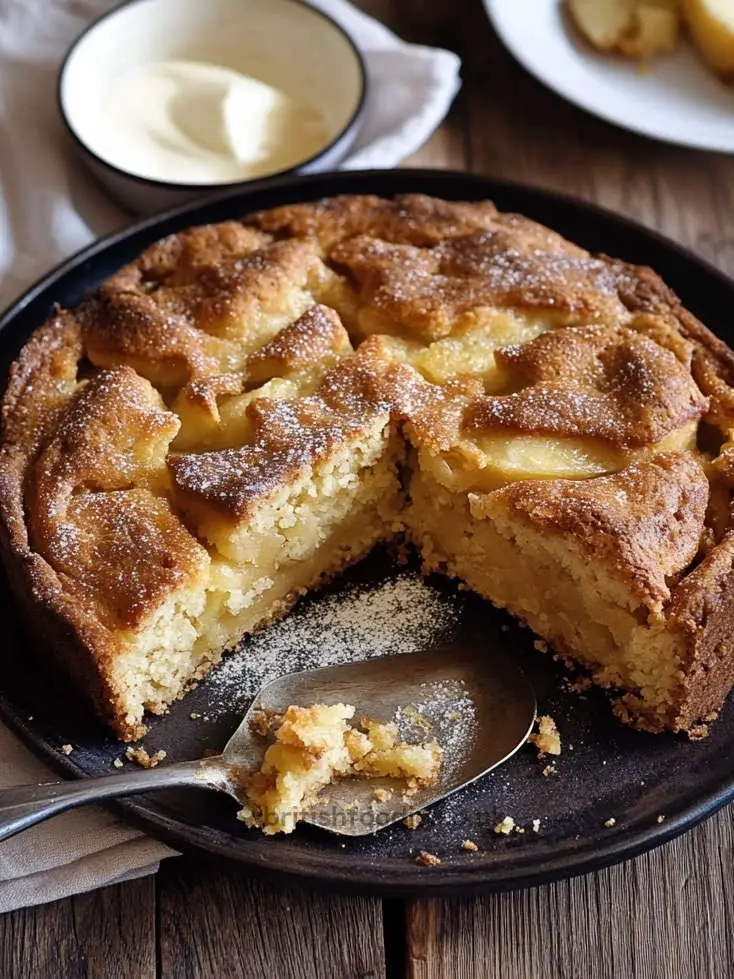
[(49, 209)]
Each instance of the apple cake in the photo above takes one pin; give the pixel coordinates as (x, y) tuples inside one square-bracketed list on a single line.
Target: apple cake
[(251, 406)]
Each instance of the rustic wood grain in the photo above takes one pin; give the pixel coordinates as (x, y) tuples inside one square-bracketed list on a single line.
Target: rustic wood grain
[(214, 922), (665, 915), (108, 933)]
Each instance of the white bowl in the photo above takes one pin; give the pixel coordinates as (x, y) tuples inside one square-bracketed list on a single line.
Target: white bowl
[(284, 43)]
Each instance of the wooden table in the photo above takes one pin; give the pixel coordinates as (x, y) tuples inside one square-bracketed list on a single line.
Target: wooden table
[(666, 915)]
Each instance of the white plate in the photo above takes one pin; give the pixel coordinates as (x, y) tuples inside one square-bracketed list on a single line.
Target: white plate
[(678, 100)]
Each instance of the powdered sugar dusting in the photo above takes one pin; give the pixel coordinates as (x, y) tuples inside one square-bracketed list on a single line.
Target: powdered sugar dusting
[(399, 615), (446, 714)]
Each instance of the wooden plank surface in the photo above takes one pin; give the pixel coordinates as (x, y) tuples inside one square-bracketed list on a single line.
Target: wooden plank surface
[(215, 922), (106, 934), (665, 915)]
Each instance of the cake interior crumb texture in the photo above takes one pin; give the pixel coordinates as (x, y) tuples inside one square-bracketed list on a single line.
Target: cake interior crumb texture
[(314, 746), (250, 407)]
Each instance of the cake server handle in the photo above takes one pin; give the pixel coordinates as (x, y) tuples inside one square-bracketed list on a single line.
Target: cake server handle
[(25, 805)]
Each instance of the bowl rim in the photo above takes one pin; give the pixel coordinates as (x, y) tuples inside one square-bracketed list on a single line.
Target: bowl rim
[(203, 188)]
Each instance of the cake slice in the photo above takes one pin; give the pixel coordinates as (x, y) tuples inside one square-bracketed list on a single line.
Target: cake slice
[(155, 599), (592, 566)]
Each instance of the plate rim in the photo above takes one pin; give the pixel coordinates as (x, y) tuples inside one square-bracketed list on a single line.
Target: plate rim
[(397, 881), (577, 99)]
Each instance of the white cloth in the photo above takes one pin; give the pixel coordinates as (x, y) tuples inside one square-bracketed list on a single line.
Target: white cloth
[(49, 209)]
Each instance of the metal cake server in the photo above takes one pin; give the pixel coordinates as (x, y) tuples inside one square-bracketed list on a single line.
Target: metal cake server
[(476, 703)]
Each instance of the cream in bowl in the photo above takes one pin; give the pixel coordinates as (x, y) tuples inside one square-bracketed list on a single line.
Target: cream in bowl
[(168, 98), (205, 123)]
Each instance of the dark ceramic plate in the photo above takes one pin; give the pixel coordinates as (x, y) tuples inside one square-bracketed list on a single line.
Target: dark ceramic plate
[(605, 772)]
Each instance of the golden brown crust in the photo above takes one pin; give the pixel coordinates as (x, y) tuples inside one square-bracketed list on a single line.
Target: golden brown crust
[(598, 382), (645, 521), (286, 436), (702, 606), (411, 219), (41, 380), (198, 323), (424, 290), (258, 338), (315, 340)]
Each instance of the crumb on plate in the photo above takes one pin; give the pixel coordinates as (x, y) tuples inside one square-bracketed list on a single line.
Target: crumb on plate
[(505, 826), (547, 739), (413, 821), (698, 732), (425, 859), (140, 756)]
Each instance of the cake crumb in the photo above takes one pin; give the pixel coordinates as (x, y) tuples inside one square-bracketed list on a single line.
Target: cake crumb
[(505, 826), (425, 859), (661, 818), (547, 739), (540, 645), (118, 763), (313, 747), (536, 825), (412, 787), (194, 716), (66, 749), (549, 769), (610, 822), (699, 732), (413, 821), (141, 757), (711, 716), (469, 845)]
